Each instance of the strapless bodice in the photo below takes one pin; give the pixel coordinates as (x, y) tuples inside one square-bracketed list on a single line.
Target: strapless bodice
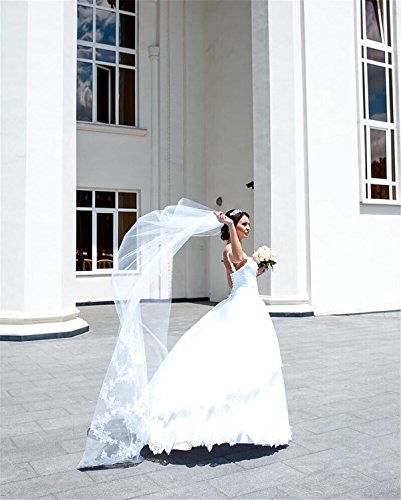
[(245, 277)]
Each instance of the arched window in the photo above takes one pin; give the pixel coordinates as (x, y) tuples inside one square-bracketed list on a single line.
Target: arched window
[(379, 133), (106, 65)]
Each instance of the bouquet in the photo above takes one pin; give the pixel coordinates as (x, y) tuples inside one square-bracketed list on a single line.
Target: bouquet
[(264, 257)]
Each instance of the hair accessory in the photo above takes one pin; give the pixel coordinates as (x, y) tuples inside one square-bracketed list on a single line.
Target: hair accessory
[(235, 212)]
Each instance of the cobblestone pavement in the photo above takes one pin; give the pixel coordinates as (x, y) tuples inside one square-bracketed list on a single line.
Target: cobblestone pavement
[(342, 377)]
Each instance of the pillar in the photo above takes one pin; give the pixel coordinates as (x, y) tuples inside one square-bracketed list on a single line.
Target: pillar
[(38, 171)]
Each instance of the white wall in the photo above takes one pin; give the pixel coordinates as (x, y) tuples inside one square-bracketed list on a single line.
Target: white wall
[(228, 119), (355, 248), (117, 157)]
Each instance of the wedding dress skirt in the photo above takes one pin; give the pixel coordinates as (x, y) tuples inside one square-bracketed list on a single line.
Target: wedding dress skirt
[(222, 381)]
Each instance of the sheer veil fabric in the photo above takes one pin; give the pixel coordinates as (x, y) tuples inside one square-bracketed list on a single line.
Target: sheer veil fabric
[(142, 284)]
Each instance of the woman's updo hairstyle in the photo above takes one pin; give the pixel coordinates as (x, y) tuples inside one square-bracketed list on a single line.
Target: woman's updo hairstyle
[(236, 215)]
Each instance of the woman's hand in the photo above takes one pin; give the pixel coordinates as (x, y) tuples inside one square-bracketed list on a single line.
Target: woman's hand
[(261, 270), (223, 218)]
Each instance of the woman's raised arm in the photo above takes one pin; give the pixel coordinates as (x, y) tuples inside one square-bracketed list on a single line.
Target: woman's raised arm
[(236, 247)]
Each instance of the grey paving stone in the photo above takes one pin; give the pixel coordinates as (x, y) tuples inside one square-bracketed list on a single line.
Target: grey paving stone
[(181, 474), (34, 416), (11, 410), (379, 468), (326, 484), (45, 450), (383, 490), (132, 487), (379, 427), (332, 422), (18, 429), (272, 492), (61, 463), (73, 445), (247, 481), (331, 439), (42, 486), (200, 489), (15, 472), (7, 444), (65, 421)]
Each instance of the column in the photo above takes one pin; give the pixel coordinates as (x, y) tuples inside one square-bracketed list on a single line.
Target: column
[(280, 153), (38, 128), (155, 165)]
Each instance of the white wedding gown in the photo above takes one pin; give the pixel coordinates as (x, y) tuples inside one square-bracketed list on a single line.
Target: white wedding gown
[(222, 381)]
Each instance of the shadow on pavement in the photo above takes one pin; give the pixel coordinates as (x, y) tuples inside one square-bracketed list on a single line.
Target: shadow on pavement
[(219, 455)]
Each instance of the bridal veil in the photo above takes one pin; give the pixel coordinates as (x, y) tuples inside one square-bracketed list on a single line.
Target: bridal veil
[(142, 289)]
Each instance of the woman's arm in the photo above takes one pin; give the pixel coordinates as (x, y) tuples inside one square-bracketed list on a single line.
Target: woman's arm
[(236, 247)]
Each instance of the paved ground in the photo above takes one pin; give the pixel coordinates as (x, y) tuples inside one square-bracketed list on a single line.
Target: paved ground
[(342, 377)]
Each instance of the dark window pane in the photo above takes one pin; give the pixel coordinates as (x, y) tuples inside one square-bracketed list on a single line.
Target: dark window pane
[(128, 59), (392, 155), (106, 55), (84, 198), (84, 241), (374, 20), (125, 221), (388, 24), (389, 57), (84, 91), (363, 90), (85, 23), (394, 193), (390, 86), (127, 5), (105, 27), (127, 31), (380, 192), (127, 97), (378, 154), (109, 4), (366, 190), (84, 52), (126, 200), (104, 241), (376, 55), (377, 93), (105, 94), (105, 199), (366, 153)]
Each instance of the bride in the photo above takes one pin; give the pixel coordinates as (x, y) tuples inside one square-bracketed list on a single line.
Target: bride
[(221, 382)]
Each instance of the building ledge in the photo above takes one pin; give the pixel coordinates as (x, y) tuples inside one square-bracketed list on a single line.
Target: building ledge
[(111, 129)]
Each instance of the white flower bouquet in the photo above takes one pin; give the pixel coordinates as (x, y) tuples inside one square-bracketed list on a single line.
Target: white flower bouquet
[(264, 257)]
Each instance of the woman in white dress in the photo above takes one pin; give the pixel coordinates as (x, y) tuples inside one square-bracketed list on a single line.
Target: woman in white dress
[(221, 382)]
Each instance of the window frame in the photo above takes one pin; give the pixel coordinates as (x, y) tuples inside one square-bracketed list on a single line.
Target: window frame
[(365, 122), (98, 210), (117, 65)]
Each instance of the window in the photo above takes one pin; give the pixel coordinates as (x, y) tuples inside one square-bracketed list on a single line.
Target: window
[(106, 53), (103, 218), (379, 130)]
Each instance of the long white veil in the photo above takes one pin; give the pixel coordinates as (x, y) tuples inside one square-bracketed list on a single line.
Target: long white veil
[(142, 284)]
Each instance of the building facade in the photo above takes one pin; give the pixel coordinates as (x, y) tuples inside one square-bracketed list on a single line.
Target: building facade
[(113, 108)]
